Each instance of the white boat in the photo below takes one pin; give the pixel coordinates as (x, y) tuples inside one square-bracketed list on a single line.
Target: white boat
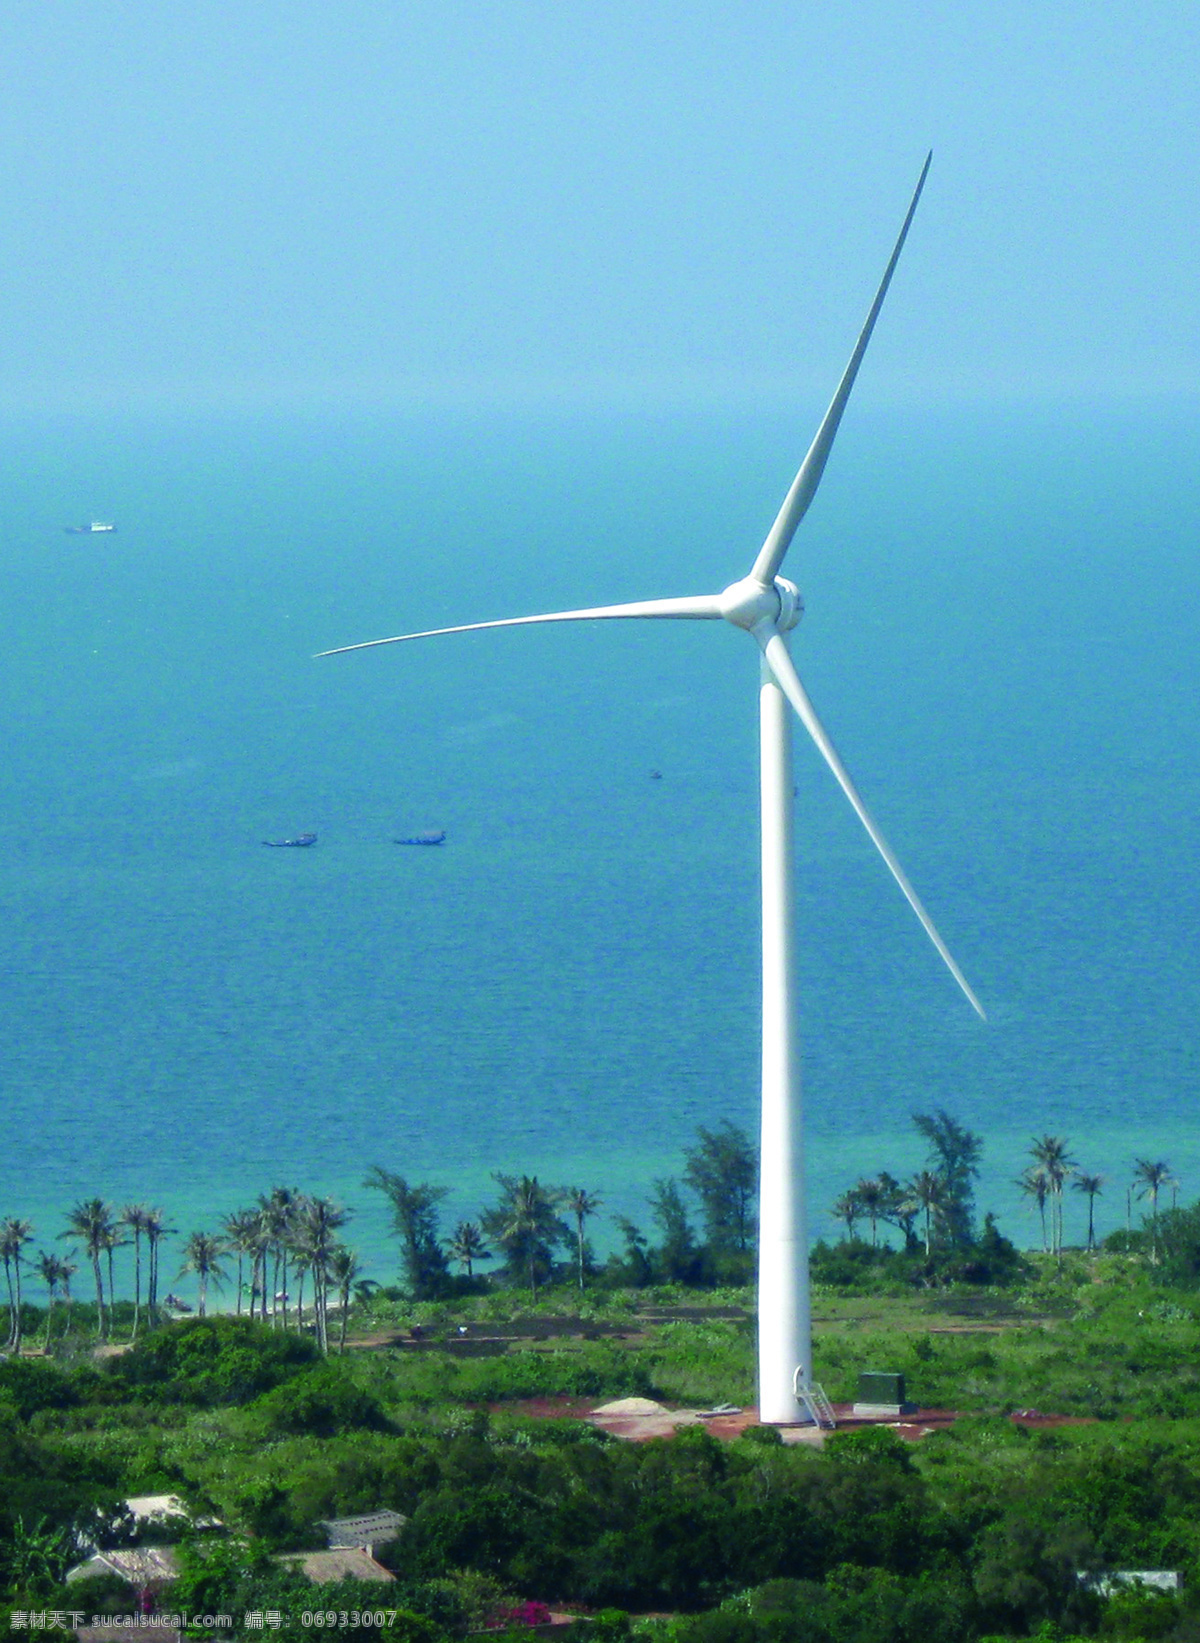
[(98, 527)]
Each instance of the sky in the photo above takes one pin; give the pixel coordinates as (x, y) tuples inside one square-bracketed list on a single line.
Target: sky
[(485, 202)]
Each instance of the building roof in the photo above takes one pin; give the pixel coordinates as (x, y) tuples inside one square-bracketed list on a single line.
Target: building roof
[(369, 1529), (139, 1565), (149, 1510), (337, 1564)]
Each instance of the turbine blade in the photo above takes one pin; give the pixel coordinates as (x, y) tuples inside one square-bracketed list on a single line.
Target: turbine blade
[(804, 486), (780, 664), (701, 607)]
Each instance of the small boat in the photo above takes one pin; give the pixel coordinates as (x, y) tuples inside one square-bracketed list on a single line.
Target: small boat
[(432, 837), (300, 842), (98, 527)]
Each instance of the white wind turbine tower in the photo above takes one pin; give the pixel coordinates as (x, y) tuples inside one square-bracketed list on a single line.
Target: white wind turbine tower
[(767, 606)]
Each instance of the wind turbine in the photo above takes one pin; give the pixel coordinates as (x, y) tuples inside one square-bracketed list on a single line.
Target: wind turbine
[(767, 607)]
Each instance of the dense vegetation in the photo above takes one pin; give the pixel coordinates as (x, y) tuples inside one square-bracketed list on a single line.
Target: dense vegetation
[(982, 1530), (991, 1528)]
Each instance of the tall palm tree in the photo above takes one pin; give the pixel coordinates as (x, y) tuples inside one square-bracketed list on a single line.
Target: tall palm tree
[(467, 1246), (928, 1190), (847, 1208), (110, 1243), (872, 1201), (1091, 1184), (53, 1270), (91, 1221), (134, 1216), (14, 1235), (301, 1261), (1149, 1178), (1035, 1184), (245, 1235), (1050, 1152), (581, 1205), (202, 1255), (343, 1269), (279, 1208), (156, 1229), (66, 1271), (313, 1239)]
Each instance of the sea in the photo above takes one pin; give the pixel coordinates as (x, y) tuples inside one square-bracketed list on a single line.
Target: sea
[(1000, 635)]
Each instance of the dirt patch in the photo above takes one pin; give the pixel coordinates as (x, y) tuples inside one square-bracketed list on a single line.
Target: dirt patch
[(637, 1424), (490, 1337)]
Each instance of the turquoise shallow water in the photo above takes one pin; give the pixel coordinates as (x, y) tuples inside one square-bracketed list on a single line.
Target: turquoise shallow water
[(1000, 635)]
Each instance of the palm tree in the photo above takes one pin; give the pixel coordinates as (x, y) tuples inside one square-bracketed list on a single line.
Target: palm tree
[(899, 1207), (1035, 1184), (54, 1271), (343, 1269), (313, 1240), (1050, 1152), (848, 1209), (14, 1235), (244, 1235), (468, 1246), (279, 1208), (872, 1201), (202, 1255), (66, 1271), (110, 1242), (581, 1204), (524, 1222), (1091, 1184), (134, 1216), (156, 1229), (1149, 1178), (300, 1266), (929, 1192), (92, 1221)]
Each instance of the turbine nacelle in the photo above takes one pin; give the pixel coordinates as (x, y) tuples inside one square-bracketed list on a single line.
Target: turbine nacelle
[(749, 603)]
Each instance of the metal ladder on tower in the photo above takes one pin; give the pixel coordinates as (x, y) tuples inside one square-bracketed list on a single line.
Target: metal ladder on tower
[(818, 1405)]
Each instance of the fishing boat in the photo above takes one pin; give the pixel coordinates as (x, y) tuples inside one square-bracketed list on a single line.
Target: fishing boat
[(300, 842), (432, 837), (98, 527)]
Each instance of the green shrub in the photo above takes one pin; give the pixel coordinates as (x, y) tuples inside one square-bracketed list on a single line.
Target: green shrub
[(320, 1403), (30, 1384), (211, 1361)]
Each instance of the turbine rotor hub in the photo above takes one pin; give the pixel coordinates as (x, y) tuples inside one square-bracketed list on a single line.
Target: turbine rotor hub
[(748, 603)]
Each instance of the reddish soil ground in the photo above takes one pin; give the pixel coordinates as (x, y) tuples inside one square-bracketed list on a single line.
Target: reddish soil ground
[(638, 1428)]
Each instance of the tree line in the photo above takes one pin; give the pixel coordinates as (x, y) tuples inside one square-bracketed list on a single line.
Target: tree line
[(537, 1233), (935, 1206), (287, 1236), (701, 1231)]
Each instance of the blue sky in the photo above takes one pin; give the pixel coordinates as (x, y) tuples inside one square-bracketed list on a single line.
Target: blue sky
[(294, 202)]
